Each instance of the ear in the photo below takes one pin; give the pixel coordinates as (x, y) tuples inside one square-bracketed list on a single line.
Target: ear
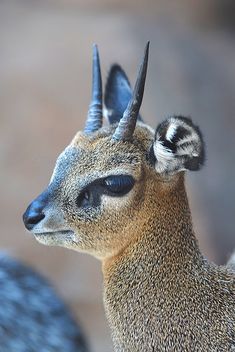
[(117, 95), (178, 146)]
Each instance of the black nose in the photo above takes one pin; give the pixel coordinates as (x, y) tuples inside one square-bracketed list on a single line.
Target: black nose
[(34, 213), (32, 216)]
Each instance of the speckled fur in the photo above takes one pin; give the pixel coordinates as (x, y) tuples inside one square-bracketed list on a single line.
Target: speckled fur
[(160, 293)]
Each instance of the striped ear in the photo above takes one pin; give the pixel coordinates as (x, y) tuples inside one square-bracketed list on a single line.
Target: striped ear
[(178, 146), (117, 95)]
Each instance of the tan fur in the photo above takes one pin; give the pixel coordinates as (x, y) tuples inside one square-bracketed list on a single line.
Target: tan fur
[(160, 293)]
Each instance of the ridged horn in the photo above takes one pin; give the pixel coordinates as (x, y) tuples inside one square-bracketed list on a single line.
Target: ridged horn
[(95, 114), (126, 126)]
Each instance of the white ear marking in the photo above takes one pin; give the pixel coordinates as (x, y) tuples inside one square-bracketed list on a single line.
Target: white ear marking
[(171, 132), (161, 151), (178, 146)]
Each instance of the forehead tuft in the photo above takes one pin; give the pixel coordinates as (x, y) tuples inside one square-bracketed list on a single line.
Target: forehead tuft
[(97, 154), (142, 139)]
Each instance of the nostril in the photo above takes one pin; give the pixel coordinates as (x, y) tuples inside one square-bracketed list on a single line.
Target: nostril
[(35, 211), (31, 219), (36, 218)]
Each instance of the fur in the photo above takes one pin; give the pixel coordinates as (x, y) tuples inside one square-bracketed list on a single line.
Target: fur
[(160, 293)]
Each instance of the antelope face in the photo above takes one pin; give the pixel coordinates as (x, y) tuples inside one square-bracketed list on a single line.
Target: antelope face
[(101, 182), (95, 194)]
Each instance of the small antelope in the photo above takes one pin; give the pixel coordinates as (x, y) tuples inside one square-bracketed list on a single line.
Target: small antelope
[(118, 193)]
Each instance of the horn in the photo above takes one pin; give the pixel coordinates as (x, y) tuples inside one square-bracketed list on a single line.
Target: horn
[(126, 126), (95, 114)]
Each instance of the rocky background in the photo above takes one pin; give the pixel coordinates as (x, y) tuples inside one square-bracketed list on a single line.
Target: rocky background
[(45, 80)]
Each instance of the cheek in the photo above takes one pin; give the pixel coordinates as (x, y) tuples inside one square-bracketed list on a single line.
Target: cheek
[(121, 206), (119, 218), (105, 230)]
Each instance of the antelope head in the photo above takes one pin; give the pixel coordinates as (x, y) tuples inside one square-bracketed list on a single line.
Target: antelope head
[(110, 181)]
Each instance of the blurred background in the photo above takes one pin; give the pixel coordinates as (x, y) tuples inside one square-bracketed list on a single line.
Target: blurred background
[(45, 81)]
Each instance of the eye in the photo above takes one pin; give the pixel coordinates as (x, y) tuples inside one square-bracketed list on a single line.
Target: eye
[(83, 199), (115, 185), (119, 184)]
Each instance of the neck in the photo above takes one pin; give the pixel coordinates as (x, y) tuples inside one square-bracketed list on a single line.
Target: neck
[(146, 270), (164, 234)]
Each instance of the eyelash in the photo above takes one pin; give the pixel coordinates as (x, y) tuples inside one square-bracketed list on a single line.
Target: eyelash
[(119, 184)]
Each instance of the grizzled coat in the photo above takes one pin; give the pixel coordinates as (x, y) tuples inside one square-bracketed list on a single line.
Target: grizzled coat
[(118, 193)]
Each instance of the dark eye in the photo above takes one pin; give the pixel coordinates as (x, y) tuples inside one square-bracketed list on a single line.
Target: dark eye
[(83, 199), (115, 185), (119, 184)]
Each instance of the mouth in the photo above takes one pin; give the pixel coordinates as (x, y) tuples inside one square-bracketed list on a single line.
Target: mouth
[(54, 233), (55, 238)]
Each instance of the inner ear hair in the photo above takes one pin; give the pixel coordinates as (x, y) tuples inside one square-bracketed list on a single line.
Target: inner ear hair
[(178, 146)]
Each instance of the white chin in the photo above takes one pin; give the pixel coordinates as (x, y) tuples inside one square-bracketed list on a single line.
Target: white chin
[(60, 238)]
